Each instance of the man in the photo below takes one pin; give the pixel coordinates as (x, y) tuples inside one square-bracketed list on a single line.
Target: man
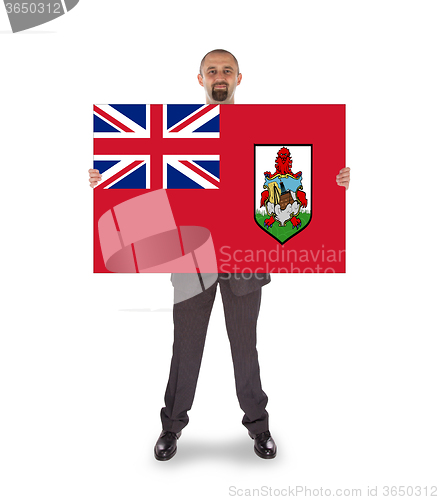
[(219, 75)]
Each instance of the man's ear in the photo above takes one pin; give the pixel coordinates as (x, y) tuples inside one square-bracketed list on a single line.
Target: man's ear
[(200, 80), (239, 79)]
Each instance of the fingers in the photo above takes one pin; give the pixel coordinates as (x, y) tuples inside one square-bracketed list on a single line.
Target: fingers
[(344, 173), (343, 178), (95, 177)]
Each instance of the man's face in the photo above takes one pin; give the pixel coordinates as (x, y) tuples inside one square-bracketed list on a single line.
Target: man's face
[(220, 78)]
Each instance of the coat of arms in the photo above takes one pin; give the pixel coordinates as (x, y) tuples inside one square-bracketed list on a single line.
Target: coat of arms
[(283, 195)]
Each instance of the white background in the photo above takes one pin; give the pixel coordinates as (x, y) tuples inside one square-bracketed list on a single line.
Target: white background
[(351, 375)]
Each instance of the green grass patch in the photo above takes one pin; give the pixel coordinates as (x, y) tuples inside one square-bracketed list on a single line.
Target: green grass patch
[(283, 233)]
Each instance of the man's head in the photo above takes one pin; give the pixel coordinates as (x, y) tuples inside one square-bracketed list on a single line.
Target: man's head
[(219, 75)]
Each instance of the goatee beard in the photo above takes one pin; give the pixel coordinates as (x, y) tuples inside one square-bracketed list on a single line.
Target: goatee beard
[(219, 95)]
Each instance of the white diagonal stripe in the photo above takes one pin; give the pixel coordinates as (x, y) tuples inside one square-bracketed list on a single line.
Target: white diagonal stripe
[(175, 162), (187, 132), (123, 161), (138, 131)]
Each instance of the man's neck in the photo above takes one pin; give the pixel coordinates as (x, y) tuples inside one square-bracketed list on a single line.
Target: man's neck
[(211, 101)]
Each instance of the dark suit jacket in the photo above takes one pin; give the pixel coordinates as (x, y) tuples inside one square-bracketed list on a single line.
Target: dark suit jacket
[(240, 284)]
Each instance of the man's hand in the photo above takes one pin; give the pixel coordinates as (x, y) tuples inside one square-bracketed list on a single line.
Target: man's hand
[(95, 177), (343, 178)]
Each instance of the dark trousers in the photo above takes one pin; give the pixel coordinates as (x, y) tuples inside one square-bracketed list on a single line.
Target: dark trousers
[(191, 319)]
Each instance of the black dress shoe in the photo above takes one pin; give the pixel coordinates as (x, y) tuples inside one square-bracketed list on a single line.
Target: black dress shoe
[(265, 447), (166, 446)]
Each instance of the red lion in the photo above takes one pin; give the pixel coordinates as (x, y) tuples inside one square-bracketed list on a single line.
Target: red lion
[(283, 164)]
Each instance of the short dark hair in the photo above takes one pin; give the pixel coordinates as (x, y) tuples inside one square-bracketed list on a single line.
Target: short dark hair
[(218, 51)]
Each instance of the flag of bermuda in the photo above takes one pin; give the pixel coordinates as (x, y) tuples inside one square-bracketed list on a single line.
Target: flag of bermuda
[(246, 173)]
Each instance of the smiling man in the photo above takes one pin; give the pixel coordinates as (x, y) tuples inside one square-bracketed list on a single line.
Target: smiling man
[(241, 297), (219, 75)]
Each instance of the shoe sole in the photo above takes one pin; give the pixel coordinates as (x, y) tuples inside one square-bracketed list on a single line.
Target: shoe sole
[(163, 459), (261, 455)]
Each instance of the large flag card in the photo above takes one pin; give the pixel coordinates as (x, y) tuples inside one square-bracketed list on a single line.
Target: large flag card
[(219, 188)]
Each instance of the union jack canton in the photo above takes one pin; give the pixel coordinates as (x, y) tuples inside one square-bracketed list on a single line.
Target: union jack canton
[(141, 146)]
